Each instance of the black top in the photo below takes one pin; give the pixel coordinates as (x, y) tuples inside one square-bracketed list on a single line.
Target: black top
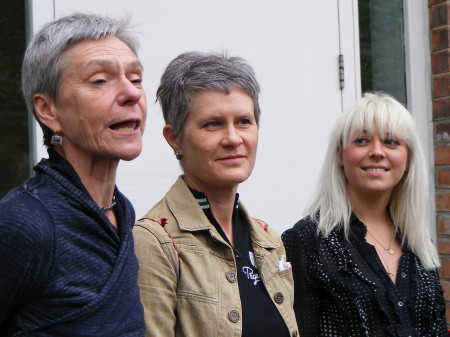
[(260, 316), (342, 288)]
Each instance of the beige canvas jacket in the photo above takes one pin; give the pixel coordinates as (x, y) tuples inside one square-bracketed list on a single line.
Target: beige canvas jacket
[(187, 272)]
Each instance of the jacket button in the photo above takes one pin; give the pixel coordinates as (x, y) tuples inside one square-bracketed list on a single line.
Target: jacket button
[(233, 316), (278, 298), (231, 276)]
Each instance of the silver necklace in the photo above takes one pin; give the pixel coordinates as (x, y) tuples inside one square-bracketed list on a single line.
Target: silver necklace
[(110, 207)]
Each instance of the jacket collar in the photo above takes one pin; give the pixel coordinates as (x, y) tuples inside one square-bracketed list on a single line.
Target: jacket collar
[(191, 218), (189, 215)]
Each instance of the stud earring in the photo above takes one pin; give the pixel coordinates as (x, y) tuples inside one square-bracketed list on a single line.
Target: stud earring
[(56, 140), (178, 155)]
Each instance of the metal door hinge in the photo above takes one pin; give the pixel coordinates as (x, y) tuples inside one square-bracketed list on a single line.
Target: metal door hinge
[(341, 72)]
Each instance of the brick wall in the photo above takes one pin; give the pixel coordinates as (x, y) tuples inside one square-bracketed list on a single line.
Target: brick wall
[(439, 14)]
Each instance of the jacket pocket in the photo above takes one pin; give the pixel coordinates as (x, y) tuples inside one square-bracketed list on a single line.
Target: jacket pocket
[(198, 274)]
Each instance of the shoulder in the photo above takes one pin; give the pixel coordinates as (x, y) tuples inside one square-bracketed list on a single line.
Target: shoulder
[(21, 212), (26, 241), (146, 227), (302, 238), (157, 223), (26, 223), (260, 230), (154, 239), (305, 228), (264, 227)]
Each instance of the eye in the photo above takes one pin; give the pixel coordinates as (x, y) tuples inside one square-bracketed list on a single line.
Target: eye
[(98, 81), (212, 124), (136, 80), (245, 121), (361, 141), (391, 142)]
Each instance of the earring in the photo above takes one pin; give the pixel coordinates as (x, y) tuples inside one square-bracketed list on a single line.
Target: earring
[(56, 140), (178, 155)]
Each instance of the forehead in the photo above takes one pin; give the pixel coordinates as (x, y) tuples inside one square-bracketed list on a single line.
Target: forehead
[(374, 126), (218, 101), (370, 128), (87, 52)]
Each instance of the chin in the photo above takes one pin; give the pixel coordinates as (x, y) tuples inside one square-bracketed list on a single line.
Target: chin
[(237, 179), (130, 154)]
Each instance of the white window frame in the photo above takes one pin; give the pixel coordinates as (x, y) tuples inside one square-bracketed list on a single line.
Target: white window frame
[(418, 85)]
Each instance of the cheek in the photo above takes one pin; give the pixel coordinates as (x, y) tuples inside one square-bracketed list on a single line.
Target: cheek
[(350, 162), (254, 145), (401, 161), (143, 106), (349, 158), (252, 141), (195, 150)]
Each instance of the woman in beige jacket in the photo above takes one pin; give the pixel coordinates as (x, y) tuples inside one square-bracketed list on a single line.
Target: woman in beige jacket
[(206, 267)]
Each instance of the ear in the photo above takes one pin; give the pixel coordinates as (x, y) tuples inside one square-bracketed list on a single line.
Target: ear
[(171, 138), (46, 112), (407, 165), (341, 159)]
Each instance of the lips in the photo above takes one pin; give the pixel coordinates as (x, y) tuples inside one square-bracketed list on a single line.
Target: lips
[(238, 156), (125, 126)]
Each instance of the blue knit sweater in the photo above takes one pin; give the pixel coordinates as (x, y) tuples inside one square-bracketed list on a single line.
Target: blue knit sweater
[(65, 270)]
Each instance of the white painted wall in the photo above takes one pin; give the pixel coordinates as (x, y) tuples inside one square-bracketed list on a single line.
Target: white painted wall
[(293, 47)]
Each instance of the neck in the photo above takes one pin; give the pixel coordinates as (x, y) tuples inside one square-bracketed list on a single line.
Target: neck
[(372, 210), (221, 200), (97, 175), (222, 208)]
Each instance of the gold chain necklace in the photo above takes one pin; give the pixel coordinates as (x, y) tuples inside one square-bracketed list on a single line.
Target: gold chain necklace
[(387, 267), (388, 249)]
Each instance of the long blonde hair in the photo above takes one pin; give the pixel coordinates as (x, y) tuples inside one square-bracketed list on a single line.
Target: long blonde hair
[(408, 206)]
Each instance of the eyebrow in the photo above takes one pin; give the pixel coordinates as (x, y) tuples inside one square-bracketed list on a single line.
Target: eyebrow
[(135, 65)]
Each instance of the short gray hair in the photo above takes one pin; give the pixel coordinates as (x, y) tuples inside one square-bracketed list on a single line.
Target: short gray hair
[(194, 71), (42, 64)]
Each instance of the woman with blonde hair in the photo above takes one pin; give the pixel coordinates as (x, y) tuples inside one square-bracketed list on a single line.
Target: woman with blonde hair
[(363, 260)]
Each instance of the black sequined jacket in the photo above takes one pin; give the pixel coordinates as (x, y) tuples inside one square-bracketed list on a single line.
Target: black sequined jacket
[(342, 288)]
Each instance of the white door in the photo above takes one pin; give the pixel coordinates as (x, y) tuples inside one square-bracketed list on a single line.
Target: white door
[(293, 45)]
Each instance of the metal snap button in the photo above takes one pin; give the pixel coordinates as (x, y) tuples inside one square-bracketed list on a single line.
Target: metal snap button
[(400, 303), (233, 316), (231, 276), (278, 298)]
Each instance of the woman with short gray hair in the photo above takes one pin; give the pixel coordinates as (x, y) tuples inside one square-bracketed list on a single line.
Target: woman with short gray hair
[(206, 268), (67, 263)]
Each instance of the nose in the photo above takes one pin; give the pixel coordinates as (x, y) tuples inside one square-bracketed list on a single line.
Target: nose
[(231, 137), (376, 150), (129, 93)]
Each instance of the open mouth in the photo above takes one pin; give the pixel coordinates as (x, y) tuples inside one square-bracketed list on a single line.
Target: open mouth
[(375, 169), (125, 126)]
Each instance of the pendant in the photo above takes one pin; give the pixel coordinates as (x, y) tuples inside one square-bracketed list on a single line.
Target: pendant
[(390, 251)]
